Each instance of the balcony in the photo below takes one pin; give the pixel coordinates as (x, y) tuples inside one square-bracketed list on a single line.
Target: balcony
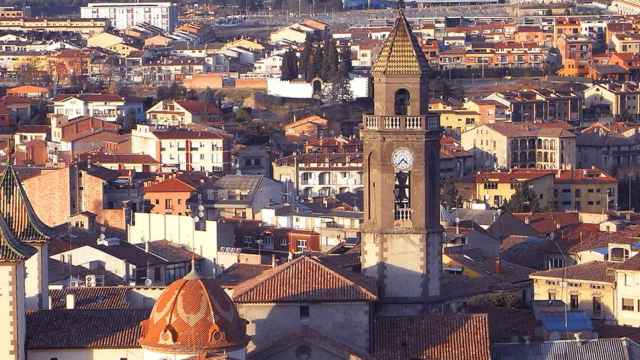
[(402, 217), (380, 122)]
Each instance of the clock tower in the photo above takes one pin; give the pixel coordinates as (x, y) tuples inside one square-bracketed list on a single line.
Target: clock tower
[(401, 235)]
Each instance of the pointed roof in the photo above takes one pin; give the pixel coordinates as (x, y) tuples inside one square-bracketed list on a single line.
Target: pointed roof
[(401, 54), (304, 279), (12, 250), (17, 213)]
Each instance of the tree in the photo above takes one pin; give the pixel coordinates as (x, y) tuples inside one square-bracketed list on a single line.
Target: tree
[(305, 66), (330, 61), (450, 196), (339, 91), (289, 67), (346, 65), (316, 62), (524, 200)]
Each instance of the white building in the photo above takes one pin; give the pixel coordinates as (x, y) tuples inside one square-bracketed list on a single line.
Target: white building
[(108, 107), (124, 15), (205, 240), (189, 150)]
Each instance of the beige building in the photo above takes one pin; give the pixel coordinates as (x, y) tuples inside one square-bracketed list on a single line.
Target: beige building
[(626, 42), (585, 190), (521, 145), (495, 188), (605, 290), (620, 99)]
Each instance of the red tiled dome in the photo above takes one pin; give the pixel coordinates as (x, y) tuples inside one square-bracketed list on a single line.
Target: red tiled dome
[(193, 315)]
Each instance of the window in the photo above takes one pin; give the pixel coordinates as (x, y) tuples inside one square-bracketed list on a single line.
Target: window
[(402, 102), (552, 295), (301, 245), (597, 305), (491, 185), (168, 204), (627, 304), (574, 302), (304, 311), (578, 193)]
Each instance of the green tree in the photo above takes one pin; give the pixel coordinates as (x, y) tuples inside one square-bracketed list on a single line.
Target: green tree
[(524, 200), (316, 62), (330, 60), (305, 65), (289, 67), (346, 66)]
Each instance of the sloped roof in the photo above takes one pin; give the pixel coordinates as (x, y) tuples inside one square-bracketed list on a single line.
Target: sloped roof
[(442, 337), (17, 213), (169, 185), (304, 279), (401, 53), (76, 329), (12, 250), (102, 297), (591, 271)]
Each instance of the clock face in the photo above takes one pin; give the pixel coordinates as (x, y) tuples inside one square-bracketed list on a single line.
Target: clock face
[(402, 159)]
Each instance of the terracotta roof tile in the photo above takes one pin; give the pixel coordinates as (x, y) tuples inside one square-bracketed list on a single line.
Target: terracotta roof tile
[(91, 298), (169, 185), (591, 271), (304, 279), (77, 329), (442, 337)]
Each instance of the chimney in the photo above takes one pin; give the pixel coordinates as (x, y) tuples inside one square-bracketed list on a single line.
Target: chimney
[(273, 261), (526, 219), (498, 265), (71, 301)]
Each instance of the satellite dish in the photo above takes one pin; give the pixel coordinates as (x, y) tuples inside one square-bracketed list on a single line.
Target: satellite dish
[(148, 282), (201, 207)]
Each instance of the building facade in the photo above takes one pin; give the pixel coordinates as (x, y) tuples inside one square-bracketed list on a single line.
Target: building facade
[(125, 15)]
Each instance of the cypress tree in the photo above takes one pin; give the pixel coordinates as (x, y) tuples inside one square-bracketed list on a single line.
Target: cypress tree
[(306, 60), (330, 61)]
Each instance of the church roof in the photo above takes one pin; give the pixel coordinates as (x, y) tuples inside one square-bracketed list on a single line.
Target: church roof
[(304, 279), (17, 213), (401, 54), (12, 250)]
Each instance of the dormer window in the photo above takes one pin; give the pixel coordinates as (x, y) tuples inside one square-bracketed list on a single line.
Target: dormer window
[(618, 254)]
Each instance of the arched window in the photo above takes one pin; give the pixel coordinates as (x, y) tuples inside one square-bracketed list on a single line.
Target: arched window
[(402, 102)]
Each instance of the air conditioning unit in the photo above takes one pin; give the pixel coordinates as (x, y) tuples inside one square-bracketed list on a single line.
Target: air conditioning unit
[(90, 280), (74, 283)]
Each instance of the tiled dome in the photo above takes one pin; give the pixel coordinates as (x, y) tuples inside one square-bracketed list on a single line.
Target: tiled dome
[(193, 315)]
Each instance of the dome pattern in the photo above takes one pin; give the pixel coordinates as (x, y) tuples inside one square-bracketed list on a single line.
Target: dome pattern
[(193, 315)]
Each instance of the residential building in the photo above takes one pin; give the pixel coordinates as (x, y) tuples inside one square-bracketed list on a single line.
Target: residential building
[(183, 112), (585, 190), (171, 194), (311, 126), (193, 150), (626, 42), (243, 196), (122, 161), (520, 145), (576, 52), (540, 105), (163, 15), (495, 188), (617, 99), (320, 174), (30, 91), (104, 106), (75, 25), (607, 151), (605, 290)]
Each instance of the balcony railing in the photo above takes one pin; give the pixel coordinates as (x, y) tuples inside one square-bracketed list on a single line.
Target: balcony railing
[(380, 122)]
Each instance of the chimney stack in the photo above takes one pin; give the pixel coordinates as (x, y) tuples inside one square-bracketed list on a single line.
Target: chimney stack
[(71, 301), (526, 219), (498, 265), (273, 261)]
